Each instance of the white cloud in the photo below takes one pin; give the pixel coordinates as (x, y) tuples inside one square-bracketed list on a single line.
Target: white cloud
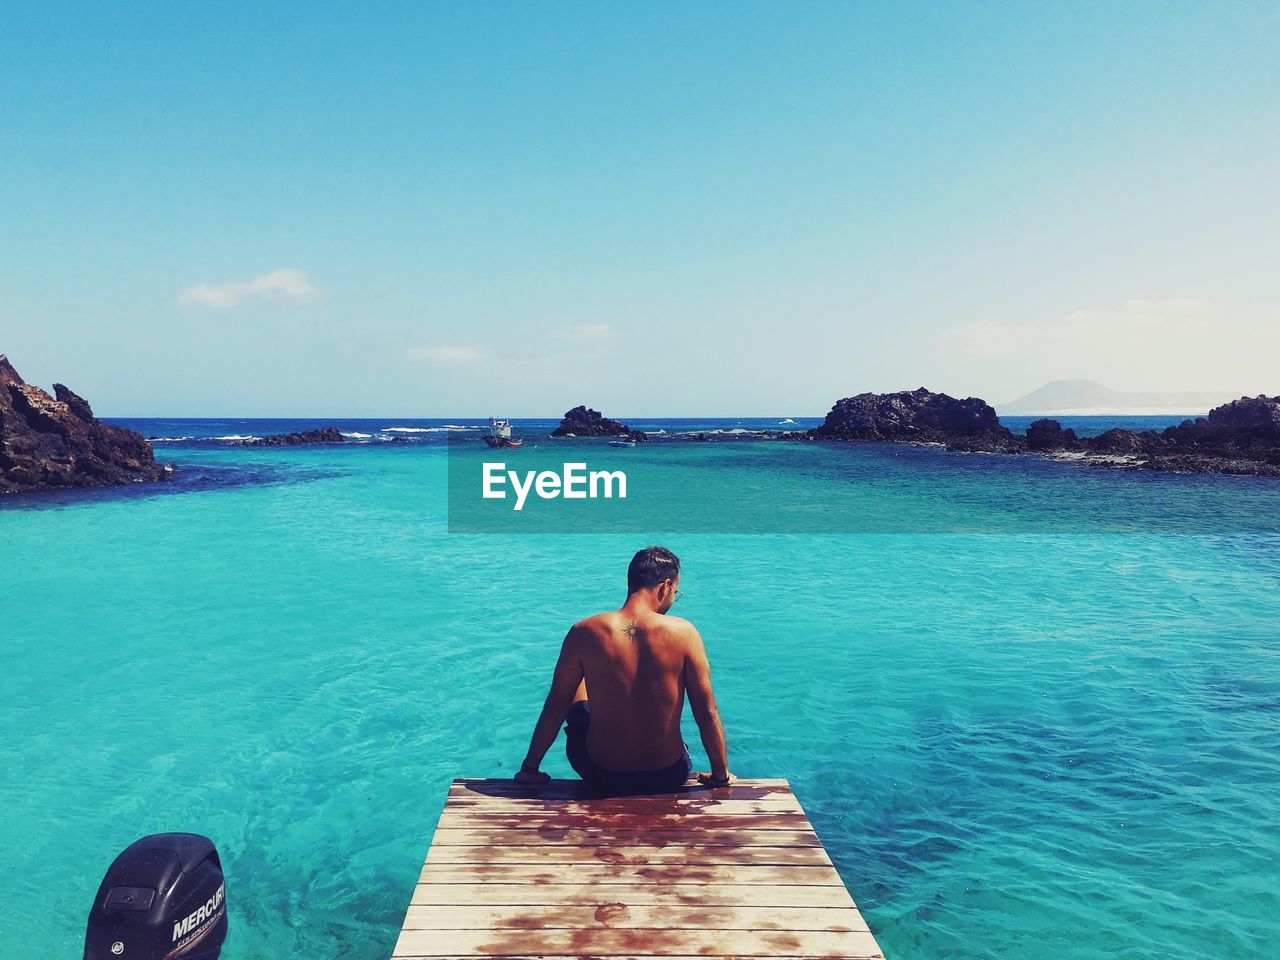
[(449, 354), (521, 355), (287, 283), (1133, 325), (1145, 345), (586, 333)]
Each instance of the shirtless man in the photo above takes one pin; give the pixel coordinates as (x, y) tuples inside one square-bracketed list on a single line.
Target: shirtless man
[(637, 662)]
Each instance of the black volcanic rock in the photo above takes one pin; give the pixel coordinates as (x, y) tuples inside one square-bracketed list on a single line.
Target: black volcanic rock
[(1120, 442), (1000, 440), (919, 416), (1175, 462), (585, 422), (53, 443), (324, 435), (1258, 416), (1240, 437), (1049, 435)]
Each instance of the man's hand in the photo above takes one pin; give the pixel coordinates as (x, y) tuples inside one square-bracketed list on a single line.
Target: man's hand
[(531, 776), (708, 780)]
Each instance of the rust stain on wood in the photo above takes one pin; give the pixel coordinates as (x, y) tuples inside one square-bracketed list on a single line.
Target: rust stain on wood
[(546, 824), (608, 913), (554, 871), (454, 832)]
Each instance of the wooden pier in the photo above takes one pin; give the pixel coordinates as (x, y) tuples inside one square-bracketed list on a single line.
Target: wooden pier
[(550, 871)]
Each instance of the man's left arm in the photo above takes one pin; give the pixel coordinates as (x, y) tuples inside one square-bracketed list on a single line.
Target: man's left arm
[(564, 684)]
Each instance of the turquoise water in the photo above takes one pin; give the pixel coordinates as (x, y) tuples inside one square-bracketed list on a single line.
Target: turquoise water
[(1013, 745)]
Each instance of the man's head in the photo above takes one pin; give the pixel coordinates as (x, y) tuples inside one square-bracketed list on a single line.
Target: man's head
[(656, 569)]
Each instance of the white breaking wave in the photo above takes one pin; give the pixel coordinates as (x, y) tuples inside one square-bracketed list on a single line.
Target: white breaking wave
[(168, 439), (787, 420), (717, 431), (654, 433), (236, 436), (445, 429), (358, 436)]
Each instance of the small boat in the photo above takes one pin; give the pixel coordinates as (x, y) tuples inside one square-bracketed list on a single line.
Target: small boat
[(500, 434)]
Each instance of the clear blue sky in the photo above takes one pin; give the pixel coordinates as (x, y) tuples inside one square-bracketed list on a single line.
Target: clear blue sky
[(666, 209)]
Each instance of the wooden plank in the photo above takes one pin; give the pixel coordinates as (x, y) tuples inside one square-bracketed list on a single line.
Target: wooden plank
[(569, 789), (691, 852), (707, 894), (604, 942), (672, 807), (595, 837), (551, 871), (621, 916), (633, 956), (635, 821), (610, 873), (686, 801)]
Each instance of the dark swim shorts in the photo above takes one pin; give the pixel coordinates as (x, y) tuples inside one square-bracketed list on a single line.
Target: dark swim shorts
[(663, 780)]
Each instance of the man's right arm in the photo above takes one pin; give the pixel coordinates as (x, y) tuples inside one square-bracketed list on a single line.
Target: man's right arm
[(697, 683)]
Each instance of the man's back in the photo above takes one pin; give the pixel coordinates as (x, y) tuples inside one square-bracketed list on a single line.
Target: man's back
[(619, 687), (634, 667)]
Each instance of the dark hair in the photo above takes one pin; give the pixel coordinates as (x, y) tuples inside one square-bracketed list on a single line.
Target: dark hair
[(650, 566)]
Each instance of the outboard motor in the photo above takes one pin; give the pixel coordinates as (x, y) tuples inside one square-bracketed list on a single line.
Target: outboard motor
[(162, 899)]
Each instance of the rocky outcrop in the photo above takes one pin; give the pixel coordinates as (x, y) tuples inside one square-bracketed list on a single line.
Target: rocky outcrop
[(919, 416), (1119, 442), (1240, 437), (1255, 418), (55, 443), (324, 435), (585, 422), (1049, 435)]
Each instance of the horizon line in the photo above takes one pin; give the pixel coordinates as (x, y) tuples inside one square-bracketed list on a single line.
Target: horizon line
[(625, 417)]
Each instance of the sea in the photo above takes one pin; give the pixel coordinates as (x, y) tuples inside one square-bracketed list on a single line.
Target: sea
[(1035, 715)]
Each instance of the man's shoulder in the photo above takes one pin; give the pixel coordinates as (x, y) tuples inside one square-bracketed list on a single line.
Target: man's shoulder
[(595, 623), (679, 626), (676, 623)]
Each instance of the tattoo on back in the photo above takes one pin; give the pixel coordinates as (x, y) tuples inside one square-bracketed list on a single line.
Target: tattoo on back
[(631, 630)]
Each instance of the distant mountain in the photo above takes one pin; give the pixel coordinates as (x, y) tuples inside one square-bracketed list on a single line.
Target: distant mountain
[(1088, 397)]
